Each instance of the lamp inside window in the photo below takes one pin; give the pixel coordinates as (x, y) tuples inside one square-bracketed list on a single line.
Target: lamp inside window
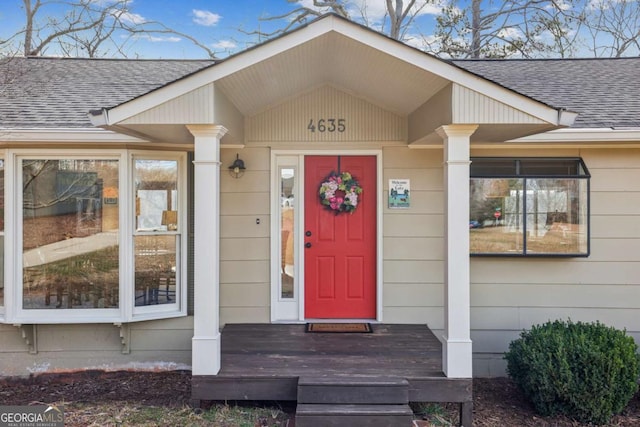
[(170, 220)]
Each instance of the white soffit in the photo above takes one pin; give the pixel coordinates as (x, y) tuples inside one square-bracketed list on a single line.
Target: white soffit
[(337, 60), (332, 51)]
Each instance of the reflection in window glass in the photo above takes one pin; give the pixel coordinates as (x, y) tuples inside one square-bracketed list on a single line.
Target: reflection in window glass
[(496, 224), (156, 195), (529, 214), (155, 276), (157, 238), (556, 216), (70, 234), (287, 218)]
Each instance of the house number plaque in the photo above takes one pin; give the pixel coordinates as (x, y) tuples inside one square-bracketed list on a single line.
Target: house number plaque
[(327, 125)]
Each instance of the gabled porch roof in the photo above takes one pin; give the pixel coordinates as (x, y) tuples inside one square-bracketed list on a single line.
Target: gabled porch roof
[(426, 90)]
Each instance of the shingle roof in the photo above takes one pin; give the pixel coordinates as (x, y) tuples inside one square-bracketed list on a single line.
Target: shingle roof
[(604, 92), (59, 92)]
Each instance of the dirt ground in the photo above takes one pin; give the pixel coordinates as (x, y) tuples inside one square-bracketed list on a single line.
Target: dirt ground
[(497, 402)]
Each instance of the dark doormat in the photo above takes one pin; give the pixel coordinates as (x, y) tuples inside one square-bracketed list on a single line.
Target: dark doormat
[(363, 328)]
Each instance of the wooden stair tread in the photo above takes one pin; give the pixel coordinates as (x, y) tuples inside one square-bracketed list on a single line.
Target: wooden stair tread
[(353, 381), (333, 409)]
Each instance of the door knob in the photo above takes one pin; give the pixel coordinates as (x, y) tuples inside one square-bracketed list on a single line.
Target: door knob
[(307, 245), (307, 233)]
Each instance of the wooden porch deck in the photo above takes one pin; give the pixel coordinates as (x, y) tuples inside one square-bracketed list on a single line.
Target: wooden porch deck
[(265, 362)]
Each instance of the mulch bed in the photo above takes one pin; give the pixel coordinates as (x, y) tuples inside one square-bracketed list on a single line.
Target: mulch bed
[(497, 402)]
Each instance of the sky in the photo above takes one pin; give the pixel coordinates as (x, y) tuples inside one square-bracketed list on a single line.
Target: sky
[(216, 23), (223, 25)]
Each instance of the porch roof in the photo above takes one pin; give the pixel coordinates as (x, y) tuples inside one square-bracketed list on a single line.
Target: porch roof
[(352, 58), (55, 93)]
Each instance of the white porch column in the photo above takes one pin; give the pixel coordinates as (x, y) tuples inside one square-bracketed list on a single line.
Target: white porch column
[(457, 351), (205, 358)]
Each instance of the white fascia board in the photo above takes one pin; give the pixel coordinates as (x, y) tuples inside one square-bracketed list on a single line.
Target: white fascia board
[(226, 67), (584, 135), (452, 73), (64, 135)]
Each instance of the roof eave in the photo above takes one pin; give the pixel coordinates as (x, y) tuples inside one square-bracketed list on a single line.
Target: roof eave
[(99, 118)]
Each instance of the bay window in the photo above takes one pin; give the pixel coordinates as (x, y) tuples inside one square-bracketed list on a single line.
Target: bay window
[(529, 207), (95, 237)]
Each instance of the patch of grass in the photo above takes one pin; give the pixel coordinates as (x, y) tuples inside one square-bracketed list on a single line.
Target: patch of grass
[(121, 414), (441, 415)]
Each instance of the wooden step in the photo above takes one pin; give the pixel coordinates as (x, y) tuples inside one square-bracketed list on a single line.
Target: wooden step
[(353, 391), (310, 415)]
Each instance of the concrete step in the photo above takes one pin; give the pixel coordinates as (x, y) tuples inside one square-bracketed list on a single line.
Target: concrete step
[(353, 391), (313, 415)]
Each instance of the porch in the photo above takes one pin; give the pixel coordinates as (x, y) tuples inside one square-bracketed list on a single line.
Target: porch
[(266, 362)]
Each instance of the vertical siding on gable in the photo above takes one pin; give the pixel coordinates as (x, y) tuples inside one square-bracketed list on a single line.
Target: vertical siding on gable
[(196, 106), (470, 106), (288, 122)]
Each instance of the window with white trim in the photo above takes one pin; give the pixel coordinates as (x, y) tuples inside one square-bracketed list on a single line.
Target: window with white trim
[(156, 239), (97, 237), (70, 251), (529, 207)]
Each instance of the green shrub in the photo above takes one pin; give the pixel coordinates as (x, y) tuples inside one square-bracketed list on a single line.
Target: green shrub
[(586, 371)]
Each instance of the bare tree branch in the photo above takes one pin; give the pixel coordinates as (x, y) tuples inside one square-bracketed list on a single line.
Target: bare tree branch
[(86, 28)]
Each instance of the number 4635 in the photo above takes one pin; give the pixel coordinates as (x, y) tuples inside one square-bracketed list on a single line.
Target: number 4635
[(327, 125)]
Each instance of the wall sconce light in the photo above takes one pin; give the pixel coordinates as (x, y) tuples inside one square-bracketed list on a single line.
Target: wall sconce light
[(237, 169)]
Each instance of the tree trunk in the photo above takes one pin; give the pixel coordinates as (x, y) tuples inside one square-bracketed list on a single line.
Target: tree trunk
[(28, 31), (475, 29)]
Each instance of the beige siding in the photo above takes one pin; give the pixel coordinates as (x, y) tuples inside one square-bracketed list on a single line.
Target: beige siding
[(615, 227), (11, 339), (243, 249), (244, 244), (417, 225), (245, 294), (159, 344), (244, 315), (413, 248), (433, 317), (244, 272), (413, 240), (509, 295), (288, 122)]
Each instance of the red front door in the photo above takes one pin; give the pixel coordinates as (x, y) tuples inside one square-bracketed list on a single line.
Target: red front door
[(340, 250)]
